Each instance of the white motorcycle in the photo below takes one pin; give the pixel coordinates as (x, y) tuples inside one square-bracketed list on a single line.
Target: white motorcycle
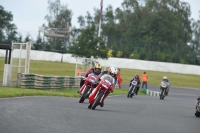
[(163, 88)]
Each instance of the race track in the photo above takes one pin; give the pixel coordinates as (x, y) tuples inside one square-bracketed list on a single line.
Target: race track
[(141, 114)]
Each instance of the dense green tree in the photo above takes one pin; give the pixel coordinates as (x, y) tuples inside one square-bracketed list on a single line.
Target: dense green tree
[(8, 33), (27, 38), (88, 44), (195, 42), (150, 30), (37, 45)]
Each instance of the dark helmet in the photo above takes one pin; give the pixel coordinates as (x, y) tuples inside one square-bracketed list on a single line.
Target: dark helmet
[(137, 76), (198, 98)]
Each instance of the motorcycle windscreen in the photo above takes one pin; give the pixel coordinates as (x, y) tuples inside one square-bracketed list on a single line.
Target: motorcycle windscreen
[(108, 78)]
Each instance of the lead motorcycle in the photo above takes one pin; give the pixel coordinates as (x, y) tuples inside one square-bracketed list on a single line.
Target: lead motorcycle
[(197, 113), (163, 89), (132, 89), (98, 95), (89, 84)]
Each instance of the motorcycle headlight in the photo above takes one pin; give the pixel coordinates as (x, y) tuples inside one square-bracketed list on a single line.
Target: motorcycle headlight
[(91, 81)]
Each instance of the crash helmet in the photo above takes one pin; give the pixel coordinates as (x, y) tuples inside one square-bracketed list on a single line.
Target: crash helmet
[(137, 76), (165, 78), (97, 68), (112, 71)]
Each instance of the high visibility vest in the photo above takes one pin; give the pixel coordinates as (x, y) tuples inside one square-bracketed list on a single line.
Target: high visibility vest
[(79, 72), (144, 77)]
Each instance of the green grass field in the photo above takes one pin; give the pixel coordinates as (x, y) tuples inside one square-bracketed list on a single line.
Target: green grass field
[(66, 69)]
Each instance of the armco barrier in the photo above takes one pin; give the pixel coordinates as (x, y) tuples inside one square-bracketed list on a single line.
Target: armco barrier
[(48, 82)]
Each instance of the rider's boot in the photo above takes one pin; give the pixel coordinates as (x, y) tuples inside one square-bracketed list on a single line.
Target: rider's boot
[(166, 93), (137, 91), (102, 104)]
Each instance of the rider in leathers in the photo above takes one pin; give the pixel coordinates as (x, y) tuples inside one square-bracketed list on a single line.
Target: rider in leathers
[(138, 83), (96, 71), (165, 79)]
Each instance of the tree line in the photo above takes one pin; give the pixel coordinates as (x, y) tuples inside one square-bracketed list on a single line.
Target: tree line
[(154, 30)]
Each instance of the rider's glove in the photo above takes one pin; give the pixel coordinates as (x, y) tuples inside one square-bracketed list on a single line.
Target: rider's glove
[(84, 78)]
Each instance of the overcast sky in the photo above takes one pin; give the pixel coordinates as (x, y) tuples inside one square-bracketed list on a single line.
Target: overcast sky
[(29, 14)]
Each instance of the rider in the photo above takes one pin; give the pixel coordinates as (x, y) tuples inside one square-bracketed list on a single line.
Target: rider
[(138, 83), (165, 79), (112, 71), (96, 71)]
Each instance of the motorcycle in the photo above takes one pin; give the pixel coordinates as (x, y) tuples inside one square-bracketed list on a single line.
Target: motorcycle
[(98, 95), (132, 89), (89, 84), (197, 114), (163, 88)]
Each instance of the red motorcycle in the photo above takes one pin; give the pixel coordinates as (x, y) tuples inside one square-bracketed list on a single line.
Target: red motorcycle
[(98, 95), (89, 84)]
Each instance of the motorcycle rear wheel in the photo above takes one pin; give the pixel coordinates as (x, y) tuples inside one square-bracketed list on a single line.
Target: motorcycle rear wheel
[(129, 92)]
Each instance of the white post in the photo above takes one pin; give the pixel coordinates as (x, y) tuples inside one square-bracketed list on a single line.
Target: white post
[(19, 68), (6, 74), (100, 17), (27, 60), (151, 93), (76, 67), (99, 33), (148, 92), (101, 4)]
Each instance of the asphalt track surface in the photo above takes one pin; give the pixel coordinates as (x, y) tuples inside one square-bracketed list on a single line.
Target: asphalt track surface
[(141, 114)]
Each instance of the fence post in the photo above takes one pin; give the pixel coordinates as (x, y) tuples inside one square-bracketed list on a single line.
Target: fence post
[(18, 79)]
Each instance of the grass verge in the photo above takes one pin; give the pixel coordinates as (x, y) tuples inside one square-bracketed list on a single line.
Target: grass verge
[(6, 92)]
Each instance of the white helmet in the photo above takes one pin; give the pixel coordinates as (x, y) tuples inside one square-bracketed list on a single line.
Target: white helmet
[(165, 77), (112, 71)]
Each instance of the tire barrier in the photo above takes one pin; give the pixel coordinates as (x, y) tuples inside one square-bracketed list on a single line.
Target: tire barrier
[(48, 82), (152, 93)]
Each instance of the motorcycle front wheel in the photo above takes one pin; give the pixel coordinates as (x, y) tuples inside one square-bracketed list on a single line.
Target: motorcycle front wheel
[(83, 95), (161, 94), (97, 100), (130, 91), (197, 114)]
